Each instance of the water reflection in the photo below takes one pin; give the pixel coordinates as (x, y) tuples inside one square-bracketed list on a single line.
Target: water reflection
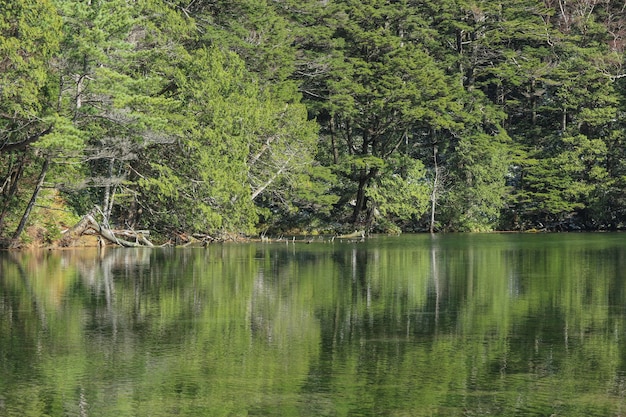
[(408, 326)]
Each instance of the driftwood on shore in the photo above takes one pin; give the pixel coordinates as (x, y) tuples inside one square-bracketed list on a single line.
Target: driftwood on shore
[(119, 237), (353, 235), (193, 240)]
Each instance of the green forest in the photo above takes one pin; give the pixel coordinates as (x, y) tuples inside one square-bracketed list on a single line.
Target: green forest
[(245, 117)]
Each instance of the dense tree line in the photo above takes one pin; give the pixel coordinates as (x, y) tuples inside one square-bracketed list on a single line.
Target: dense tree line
[(251, 116)]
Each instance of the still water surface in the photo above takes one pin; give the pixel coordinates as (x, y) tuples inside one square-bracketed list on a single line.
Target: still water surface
[(449, 325)]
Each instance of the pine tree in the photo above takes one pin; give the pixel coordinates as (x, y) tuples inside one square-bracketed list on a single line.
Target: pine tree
[(29, 40)]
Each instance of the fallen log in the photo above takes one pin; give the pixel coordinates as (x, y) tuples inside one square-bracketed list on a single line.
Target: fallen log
[(204, 238), (110, 236), (131, 233), (138, 235), (119, 237), (355, 234)]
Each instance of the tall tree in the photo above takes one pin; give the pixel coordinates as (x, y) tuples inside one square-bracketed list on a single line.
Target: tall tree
[(29, 40), (284, 177), (381, 92), (199, 183), (565, 175), (110, 89)]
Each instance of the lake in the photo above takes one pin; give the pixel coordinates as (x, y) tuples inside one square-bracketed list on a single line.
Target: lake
[(414, 325)]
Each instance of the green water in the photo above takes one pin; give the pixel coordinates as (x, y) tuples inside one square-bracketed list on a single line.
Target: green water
[(450, 325)]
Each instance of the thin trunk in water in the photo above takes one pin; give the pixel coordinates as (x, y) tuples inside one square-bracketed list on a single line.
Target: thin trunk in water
[(107, 202), (433, 196)]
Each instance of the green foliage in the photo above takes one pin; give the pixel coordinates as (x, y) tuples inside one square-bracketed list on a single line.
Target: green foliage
[(402, 192), (201, 179), (478, 189), (30, 34), (382, 90), (318, 112), (256, 32), (29, 38)]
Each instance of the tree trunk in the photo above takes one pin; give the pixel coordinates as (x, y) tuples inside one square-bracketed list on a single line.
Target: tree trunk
[(19, 146), (335, 151), (107, 203), (360, 196), (12, 180), (33, 199), (533, 103), (361, 199), (433, 197), (255, 193), (89, 222)]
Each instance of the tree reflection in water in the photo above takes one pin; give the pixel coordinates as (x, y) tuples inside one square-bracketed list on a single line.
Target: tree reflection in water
[(413, 325)]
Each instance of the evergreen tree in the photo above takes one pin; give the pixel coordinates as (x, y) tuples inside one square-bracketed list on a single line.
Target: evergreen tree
[(199, 183), (380, 93), (29, 40), (564, 174), (112, 76), (210, 117)]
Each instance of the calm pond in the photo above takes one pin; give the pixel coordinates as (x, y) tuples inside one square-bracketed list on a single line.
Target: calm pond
[(448, 325)]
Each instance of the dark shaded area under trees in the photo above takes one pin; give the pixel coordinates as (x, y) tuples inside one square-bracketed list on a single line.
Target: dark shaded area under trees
[(253, 117)]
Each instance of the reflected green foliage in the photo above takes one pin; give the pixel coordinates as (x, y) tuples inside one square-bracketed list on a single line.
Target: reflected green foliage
[(408, 326)]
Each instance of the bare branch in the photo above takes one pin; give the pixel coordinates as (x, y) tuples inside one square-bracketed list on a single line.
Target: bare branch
[(9, 147)]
